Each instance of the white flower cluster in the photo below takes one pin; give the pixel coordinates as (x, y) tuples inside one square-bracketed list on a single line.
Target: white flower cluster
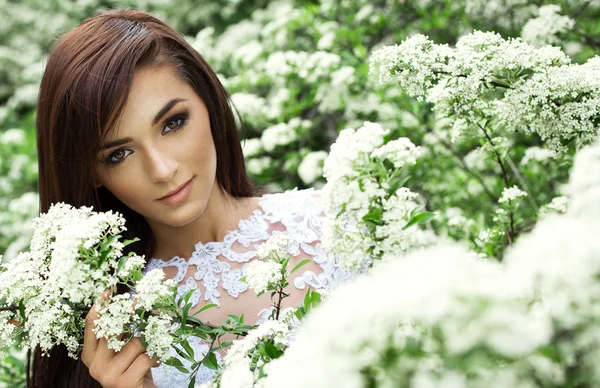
[(151, 288), (464, 304), (75, 255), (7, 330), (559, 104), (510, 194), (245, 359), (116, 317), (483, 78), (537, 154), (260, 274), (279, 244), (505, 13), (400, 152), (71, 259), (283, 134), (548, 27), (415, 64), (356, 196), (448, 318), (557, 205), (158, 334), (311, 167)]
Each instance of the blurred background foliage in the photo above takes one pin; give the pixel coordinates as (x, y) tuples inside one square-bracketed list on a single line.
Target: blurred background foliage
[(298, 74)]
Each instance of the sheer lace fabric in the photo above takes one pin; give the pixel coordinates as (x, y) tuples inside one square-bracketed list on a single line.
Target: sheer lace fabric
[(214, 270)]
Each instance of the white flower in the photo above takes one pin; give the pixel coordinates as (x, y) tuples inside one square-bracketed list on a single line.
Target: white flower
[(133, 263), (251, 147), (548, 27), (537, 154), (116, 318), (158, 334), (7, 330), (151, 288), (238, 375), (511, 193), (557, 205), (399, 151), (279, 244), (241, 350), (260, 274), (584, 183), (12, 136), (257, 166), (532, 104), (278, 135), (311, 167), (252, 108), (349, 145)]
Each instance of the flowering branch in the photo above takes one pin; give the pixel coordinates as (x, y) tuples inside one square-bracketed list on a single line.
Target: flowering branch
[(511, 232)]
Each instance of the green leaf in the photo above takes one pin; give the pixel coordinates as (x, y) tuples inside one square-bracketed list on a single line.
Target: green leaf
[(284, 264), (374, 215), (182, 353), (121, 263), (225, 344), (397, 183), (306, 301), (315, 299), (420, 218), (175, 362), (192, 383), (188, 295), (300, 264), (203, 308), (188, 348), (127, 242), (210, 361), (272, 350), (186, 310), (109, 241)]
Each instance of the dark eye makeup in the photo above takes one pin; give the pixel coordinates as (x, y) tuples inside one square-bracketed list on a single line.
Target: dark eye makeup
[(172, 124)]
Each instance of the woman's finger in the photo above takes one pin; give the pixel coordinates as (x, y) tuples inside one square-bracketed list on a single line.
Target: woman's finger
[(90, 342), (139, 368), (127, 355)]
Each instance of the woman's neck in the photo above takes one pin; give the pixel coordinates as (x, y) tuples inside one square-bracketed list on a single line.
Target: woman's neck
[(221, 215)]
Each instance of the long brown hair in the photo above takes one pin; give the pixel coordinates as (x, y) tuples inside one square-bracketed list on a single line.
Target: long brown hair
[(83, 91)]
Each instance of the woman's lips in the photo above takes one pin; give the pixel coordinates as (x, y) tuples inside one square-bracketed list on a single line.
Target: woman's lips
[(179, 196)]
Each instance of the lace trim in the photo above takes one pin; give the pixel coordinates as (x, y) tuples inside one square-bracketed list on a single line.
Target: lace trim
[(298, 211)]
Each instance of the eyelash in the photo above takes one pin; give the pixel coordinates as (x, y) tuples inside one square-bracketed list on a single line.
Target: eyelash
[(182, 118)]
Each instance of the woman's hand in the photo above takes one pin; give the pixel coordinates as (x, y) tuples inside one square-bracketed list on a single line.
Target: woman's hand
[(129, 368)]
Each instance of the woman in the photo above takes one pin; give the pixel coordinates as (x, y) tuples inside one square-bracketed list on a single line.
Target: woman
[(131, 118)]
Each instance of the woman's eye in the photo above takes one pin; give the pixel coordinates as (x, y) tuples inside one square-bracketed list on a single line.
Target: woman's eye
[(174, 123), (118, 156)]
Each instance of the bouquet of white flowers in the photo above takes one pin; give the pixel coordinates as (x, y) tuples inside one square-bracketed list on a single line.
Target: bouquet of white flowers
[(76, 254)]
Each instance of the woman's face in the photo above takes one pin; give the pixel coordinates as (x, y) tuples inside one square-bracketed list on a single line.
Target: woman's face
[(160, 160)]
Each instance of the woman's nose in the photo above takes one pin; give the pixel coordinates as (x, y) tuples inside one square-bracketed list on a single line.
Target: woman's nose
[(162, 166)]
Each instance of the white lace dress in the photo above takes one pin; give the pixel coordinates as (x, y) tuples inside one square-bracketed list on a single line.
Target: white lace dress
[(214, 269)]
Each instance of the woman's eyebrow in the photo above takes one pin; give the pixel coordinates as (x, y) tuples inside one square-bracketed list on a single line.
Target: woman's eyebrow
[(115, 143), (166, 108)]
